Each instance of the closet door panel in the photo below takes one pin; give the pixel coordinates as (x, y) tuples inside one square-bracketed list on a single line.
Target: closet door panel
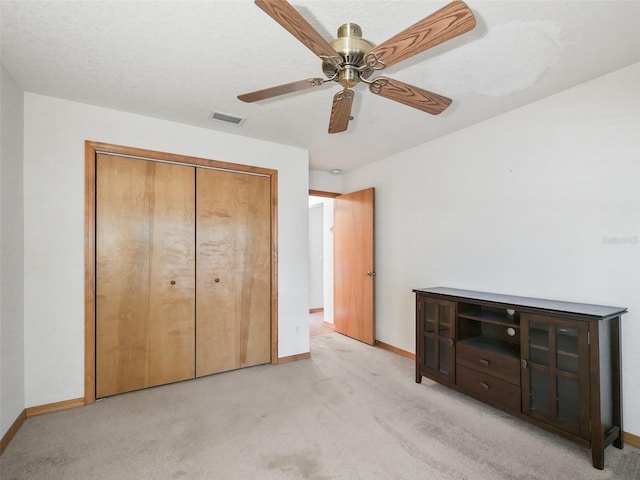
[(233, 271), (122, 275), (172, 275), (145, 234), (255, 273)]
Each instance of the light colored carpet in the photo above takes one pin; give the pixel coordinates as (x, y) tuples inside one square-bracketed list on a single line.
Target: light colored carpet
[(350, 412)]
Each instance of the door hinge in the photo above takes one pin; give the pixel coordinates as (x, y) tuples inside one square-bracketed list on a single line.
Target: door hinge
[(523, 362)]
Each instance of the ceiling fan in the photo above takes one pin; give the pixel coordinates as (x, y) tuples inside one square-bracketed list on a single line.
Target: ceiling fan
[(351, 59)]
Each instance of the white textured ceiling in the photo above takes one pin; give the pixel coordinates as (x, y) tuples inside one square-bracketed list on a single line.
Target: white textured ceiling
[(178, 60)]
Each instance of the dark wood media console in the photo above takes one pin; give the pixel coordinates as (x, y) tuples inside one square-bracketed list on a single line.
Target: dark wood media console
[(553, 364)]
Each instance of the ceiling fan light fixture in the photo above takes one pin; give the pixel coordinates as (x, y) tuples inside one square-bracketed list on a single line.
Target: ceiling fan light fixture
[(227, 117)]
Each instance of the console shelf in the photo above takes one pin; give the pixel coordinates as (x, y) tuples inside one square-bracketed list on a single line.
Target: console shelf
[(491, 317), (554, 364), (491, 345)]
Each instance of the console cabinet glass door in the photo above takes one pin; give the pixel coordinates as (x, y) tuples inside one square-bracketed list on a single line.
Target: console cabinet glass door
[(555, 372), (436, 323)]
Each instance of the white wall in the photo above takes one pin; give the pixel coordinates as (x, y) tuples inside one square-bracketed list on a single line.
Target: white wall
[(316, 240), (543, 201), (327, 254), (55, 131), (11, 253), (327, 234)]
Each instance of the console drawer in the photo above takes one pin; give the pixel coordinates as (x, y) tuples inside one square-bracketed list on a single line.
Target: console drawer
[(489, 358), (488, 387)]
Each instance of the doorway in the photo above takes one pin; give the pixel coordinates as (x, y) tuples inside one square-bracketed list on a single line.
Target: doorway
[(321, 262), (348, 290)]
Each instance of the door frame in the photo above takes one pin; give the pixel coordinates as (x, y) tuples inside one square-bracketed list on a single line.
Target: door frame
[(91, 149), (322, 193)]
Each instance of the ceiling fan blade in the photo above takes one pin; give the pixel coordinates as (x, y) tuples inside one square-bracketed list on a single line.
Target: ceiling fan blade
[(409, 95), (281, 90), (450, 21), (341, 111), (289, 18)]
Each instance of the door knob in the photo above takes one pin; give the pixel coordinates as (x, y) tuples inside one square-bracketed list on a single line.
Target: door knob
[(217, 280), (371, 274), (173, 282)]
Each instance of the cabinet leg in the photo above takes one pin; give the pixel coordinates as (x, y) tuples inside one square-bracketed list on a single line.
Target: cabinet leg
[(418, 378), (619, 442), (617, 380), (597, 457)]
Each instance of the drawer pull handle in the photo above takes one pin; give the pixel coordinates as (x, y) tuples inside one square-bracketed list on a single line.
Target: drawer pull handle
[(484, 386), (484, 362)]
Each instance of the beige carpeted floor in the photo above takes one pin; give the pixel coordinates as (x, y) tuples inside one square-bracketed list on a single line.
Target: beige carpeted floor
[(350, 412)]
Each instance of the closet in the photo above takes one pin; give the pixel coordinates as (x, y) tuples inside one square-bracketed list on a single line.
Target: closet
[(183, 272)]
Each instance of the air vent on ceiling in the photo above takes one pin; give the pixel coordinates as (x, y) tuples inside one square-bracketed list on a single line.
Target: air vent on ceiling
[(227, 117)]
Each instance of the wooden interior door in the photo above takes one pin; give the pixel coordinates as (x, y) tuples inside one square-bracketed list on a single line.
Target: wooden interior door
[(144, 274), (354, 272), (233, 258)]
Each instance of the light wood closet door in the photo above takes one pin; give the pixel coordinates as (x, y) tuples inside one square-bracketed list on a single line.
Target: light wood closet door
[(233, 258), (145, 267)]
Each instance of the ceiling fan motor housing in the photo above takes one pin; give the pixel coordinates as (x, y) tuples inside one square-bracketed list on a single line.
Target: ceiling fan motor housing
[(352, 49)]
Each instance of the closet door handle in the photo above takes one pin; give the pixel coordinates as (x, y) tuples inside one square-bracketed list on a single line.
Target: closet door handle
[(484, 386), (217, 280), (483, 362), (173, 282)]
